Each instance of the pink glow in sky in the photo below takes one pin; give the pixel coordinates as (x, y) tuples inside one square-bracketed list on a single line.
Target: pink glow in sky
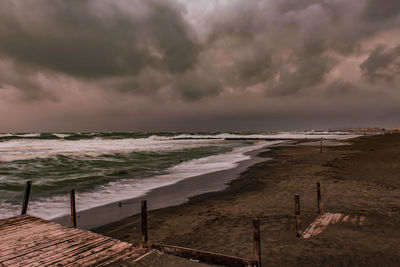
[(99, 65)]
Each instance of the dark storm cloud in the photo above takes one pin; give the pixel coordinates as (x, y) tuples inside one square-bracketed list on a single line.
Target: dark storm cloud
[(287, 43), (28, 86), (97, 38), (310, 72), (382, 64), (340, 88), (152, 48), (194, 85), (300, 37), (381, 10)]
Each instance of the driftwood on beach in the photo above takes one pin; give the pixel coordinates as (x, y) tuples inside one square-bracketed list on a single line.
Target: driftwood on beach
[(206, 256)]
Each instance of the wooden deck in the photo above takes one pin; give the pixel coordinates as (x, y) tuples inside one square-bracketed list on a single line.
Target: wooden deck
[(30, 241)]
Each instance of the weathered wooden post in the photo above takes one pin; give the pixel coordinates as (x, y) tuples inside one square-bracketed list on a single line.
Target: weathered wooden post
[(257, 241), (26, 197), (297, 214), (320, 149), (73, 208), (319, 199), (144, 238)]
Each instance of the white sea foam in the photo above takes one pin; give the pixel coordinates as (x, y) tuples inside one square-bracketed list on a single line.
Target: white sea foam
[(28, 135), (42, 148), (21, 135), (60, 135), (129, 188), (281, 135)]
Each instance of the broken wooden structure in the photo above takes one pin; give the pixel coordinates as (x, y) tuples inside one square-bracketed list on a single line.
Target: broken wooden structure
[(206, 256), (323, 220), (30, 241)]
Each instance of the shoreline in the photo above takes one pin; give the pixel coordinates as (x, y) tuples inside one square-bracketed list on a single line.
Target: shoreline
[(172, 195), (359, 180), (232, 186)]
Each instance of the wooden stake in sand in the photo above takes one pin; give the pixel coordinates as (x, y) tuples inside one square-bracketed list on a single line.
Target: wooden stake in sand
[(256, 241), (73, 208), (320, 149), (319, 198), (26, 197), (144, 238), (297, 214)]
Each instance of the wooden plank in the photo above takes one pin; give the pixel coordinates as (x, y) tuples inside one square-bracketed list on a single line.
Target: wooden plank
[(26, 221), (30, 232), (20, 230), (107, 254), (138, 258), (346, 218), (354, 220), (72, 254), (205, 256), (61, 249), (37, 241), (8, 221), (82, 252), (30, 241), (20, 220), (37, 244), (336, 217), (362, 220), (31, 229), (323, 220), (85, 253), (318, 225), (50, 245)]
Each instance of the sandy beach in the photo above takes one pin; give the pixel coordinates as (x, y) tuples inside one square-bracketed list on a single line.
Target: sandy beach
[(358, 180)]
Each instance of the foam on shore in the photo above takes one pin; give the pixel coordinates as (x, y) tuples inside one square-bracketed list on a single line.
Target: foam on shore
[(131, 188)]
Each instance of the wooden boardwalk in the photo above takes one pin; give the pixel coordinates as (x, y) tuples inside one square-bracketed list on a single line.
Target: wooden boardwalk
[(30, 241)]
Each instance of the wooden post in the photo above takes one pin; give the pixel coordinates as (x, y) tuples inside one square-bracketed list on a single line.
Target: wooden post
[(143, 243), (73, 208), (297, 215), (256, 241), (26, 197), (320, 149), (319, 198)]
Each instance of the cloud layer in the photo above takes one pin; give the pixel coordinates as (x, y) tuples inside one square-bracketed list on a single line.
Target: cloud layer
[(176, 56)]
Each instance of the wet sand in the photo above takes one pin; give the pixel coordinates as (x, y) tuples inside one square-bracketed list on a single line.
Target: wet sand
[(361, 179)]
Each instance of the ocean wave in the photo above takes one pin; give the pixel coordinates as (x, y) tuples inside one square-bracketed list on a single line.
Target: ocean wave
[(38, 148), (95, 144), (280, 135), (129, 188), (106, 168)]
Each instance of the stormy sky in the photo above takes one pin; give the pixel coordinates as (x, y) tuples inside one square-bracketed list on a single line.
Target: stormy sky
[(156, 65)]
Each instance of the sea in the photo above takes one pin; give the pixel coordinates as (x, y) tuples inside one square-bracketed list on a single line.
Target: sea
[(107, 167)]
